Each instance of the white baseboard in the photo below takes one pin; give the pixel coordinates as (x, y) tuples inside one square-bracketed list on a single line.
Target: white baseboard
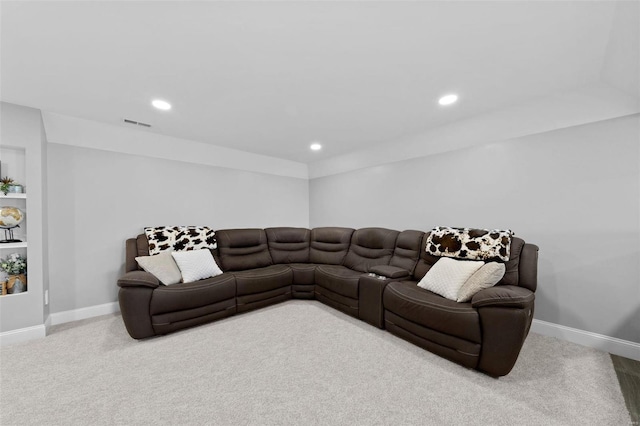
[(601, 342), (22, 335), (83, 313), (40, 331)]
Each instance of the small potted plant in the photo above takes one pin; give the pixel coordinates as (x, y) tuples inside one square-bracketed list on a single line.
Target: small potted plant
[(15, 266), (9, 185), (5, 183)]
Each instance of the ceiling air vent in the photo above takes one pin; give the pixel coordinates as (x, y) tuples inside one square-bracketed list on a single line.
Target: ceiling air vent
[(136, 123)]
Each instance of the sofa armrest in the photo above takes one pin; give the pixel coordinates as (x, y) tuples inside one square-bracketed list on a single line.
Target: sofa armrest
[(507, 296), (138, 279), (370, 291), (389, 271), (135, 304), (505, 314), (528, 267)]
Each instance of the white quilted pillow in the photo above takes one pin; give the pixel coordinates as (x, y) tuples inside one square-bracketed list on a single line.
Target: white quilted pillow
[(448, 275), (485, 277), (196, 264)]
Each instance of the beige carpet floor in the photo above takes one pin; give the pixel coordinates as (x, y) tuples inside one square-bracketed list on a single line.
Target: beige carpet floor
[(296, 363)]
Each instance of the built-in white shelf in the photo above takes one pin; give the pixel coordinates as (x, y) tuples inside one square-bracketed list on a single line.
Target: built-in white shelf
[(7, 246), (24, 161), (15, 294), (13, 195)]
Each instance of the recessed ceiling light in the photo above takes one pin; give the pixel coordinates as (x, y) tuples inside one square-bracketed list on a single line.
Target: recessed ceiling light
[(316, 147), (448, 99), (160, 104)]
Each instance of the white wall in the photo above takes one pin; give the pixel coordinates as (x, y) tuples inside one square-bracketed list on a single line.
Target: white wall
[(67, 130), (562, 110), (97, 199), (574, 192)]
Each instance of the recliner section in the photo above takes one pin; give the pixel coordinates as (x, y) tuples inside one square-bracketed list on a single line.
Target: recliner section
[(369, 273), (463, 332)]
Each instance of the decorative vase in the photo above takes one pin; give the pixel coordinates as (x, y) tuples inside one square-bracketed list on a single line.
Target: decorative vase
[(16, 284), (4, 287), (16, 189)]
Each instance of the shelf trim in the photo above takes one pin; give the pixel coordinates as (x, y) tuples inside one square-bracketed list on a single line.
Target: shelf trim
[(22, 244), (14, 294)]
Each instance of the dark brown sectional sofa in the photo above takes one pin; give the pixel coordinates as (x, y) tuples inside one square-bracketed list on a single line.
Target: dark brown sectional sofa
[(369, 273)]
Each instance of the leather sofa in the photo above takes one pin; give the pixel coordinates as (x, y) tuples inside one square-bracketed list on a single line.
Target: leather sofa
[(369, 273)]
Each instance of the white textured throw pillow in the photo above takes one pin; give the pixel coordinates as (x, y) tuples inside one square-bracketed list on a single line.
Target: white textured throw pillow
[(487, 276), (162, 266), (448, 275), (196, 264)]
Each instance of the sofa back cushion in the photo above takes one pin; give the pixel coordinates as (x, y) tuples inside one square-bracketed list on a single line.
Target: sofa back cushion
[(289, 245), (518, 265), (135, 247), (426, 260), (241, 249), (370, 247), (329, 245), (407, 250), (512, 272), (143, 245)]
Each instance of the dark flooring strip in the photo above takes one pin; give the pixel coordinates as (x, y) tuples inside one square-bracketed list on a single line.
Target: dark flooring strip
[(628, 372)]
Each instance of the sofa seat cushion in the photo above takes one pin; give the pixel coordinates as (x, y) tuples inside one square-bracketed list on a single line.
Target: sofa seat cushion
[(179, 297), (338, 279), (407, 300), (260, 280)]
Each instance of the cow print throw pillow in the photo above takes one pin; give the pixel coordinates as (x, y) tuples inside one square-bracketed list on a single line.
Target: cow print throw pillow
[(468, 243), (179, 238)]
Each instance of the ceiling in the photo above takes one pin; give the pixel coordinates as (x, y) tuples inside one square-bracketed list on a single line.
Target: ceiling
[(272, 77)]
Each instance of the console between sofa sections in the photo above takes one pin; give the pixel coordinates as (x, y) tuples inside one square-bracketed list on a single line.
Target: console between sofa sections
[(368, 273)]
